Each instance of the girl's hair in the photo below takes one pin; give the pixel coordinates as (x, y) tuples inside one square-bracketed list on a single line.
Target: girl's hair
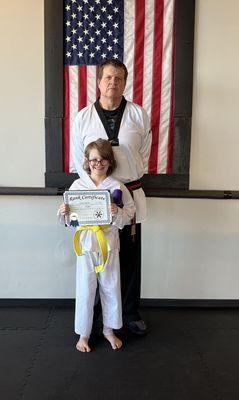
[(105, 150)]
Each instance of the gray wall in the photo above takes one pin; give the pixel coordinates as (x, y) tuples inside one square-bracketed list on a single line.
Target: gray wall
[(189, 246)]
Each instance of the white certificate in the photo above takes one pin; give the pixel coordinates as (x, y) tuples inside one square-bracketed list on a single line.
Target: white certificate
[(88, 207)]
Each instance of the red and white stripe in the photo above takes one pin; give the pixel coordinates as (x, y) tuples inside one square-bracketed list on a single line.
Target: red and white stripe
[(149, 57)]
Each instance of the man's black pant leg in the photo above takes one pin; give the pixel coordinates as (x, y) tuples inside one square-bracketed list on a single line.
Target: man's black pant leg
[(130, 268)]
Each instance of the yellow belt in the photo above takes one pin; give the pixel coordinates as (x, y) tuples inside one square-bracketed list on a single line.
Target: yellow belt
[(98, 229)]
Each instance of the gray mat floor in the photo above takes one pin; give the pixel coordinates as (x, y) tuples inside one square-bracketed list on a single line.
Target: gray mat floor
[(188, 354)]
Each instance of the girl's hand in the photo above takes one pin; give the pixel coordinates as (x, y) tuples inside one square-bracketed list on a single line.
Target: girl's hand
[(113, 209), (64, 209)]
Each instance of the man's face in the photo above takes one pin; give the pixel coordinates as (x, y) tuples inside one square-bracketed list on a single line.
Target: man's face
[(112, 83)]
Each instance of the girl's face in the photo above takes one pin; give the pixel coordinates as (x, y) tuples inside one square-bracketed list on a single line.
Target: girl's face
[(98, 165)]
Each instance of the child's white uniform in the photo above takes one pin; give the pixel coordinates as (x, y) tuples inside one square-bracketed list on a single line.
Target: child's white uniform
[(109, 278)]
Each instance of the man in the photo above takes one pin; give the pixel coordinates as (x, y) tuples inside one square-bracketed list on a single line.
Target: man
[(126, 126)]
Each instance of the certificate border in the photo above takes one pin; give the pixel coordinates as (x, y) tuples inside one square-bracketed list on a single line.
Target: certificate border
[(106, 221)]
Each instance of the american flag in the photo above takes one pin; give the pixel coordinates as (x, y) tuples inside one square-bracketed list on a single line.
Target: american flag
[(139, 33)]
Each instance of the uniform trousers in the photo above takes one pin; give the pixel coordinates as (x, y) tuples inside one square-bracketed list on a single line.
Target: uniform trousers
[(130, 271), (109, 291)]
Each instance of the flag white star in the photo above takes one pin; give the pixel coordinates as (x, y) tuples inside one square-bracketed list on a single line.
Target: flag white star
[(86, 46), (109, 33), (86, 32), (92, 55), (92, 8), (92, 39), (74, 31), (85, 1), (79, 8), (109, 17), (97, 32), (92, 24), (115, 40), (109, 1), (80, 39), (115, 56), (97, 16), (73, 16), (109, 48), (80, 54), (68, 8), (68, 23), (74, 46), (97, 47), (103, 24), (86, 16), (97, 1), (103, 55), (116, 9), (116, 25), (68, 39), (73, 1), (103, 40), (80, 23), (68, 54), (103, 9)]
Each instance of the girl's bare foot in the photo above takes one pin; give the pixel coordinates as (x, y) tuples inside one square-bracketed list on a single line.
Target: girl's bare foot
[(82, 345), (114, 341)]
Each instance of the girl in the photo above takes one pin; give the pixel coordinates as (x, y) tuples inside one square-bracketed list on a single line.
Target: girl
[(99, 162)]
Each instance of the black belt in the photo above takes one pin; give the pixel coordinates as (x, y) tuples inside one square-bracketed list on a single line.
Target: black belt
[(134, 185), (131, 186)]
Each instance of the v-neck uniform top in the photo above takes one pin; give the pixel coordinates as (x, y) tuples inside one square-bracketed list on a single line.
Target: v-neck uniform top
[(88, 238), (131, 155)]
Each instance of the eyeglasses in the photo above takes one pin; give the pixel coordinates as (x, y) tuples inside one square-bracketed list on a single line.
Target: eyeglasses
[(95, 161)]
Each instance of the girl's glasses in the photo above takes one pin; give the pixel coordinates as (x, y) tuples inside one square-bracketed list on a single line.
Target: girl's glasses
[(95, 161)]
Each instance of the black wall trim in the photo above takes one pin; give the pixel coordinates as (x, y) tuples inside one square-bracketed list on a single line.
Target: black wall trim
[(53, 41), (174, 181), (24, 191), (194, 194), (183, 303), (184, 52), (150, 192), (184, 44)]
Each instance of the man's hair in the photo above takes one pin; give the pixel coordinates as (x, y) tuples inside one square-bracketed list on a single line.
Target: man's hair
[(105, 150), (114, 63)]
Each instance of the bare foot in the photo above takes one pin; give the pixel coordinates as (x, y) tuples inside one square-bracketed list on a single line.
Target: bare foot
[(114, 341), (82, 345)]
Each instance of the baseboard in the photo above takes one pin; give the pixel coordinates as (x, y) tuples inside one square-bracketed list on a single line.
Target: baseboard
[(65, 303), (190, 303), (37, 303)]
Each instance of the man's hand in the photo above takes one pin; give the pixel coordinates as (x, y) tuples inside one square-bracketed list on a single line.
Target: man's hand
[(113, 209)]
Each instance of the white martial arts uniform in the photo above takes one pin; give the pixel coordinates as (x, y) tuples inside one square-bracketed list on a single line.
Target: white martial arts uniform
[(109, 278), (131, 155)]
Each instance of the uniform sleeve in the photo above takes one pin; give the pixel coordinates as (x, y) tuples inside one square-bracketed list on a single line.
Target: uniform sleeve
[(126, 213), (65, 220), (77, 146), (146, 142)]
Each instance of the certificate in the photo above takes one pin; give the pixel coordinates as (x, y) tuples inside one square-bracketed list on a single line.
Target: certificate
[(88, 207)]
